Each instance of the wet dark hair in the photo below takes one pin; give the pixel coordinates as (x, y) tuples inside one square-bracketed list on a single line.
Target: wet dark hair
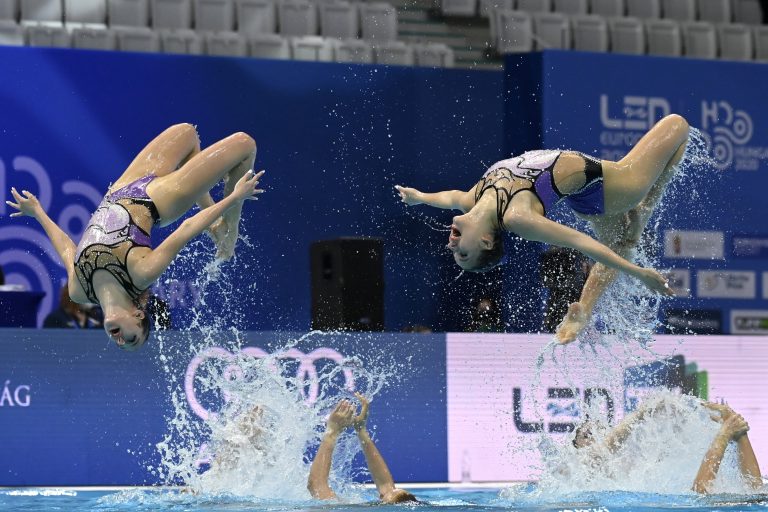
[(490, 258), (156, 311)]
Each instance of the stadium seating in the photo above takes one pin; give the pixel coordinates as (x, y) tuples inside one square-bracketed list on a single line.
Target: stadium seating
[(137, 39), (214, 15), (699, 39), (735, 42), (590, 33), (339, 19), (353, 51), (664, 38), (130, 13)]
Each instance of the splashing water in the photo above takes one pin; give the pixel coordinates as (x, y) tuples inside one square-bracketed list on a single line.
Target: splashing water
[(662, 454)]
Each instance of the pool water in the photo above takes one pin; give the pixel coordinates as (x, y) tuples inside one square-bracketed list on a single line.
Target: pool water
[(433, 500)]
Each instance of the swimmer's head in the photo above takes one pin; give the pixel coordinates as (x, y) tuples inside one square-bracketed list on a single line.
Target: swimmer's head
[(476, 246), (398, 496), (584, 435), (130, 328)]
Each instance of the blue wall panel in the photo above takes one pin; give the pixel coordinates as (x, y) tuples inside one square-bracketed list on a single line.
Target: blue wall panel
[(80, 412)]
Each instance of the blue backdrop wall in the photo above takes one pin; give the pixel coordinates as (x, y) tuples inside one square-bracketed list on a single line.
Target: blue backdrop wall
[(334, 139)]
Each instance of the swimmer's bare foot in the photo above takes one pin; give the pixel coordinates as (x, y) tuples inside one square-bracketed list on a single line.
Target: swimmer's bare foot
[(218, 233), (574, 322), (226, 249)]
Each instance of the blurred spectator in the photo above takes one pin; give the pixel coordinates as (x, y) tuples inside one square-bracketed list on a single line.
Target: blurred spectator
[(417, 328), (563, 273), (72, 315), (486, 317)]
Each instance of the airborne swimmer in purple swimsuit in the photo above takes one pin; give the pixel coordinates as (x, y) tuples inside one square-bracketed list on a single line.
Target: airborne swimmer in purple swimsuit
[(618, 198), (114, 264)]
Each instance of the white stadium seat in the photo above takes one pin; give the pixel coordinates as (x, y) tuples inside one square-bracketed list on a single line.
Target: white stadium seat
[(735, 42), (488, 6), (394, 53), (645, 9), (256, 17), (749, 12), (137, 39), (534, 5), (312, 48), (458, 7), (47, 35), (680, 10), (229, 44), (214, 15), (715, 11), (184, 41), (85, 11), (378, 21), (514, 31), (355, 51), (627, 36), (269, 46), (435, 55), (551, 30), (297, 18), (664, 38), (571, 7), (608, 8), (699, 39), (761, 42), (128, 13), (339, 19), (590, 33), (11, 33), (42, 10), (176, 14), (93, 39), (9, 10)]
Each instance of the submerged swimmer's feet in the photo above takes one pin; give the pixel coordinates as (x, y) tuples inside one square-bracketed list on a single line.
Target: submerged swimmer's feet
[(574, 322)]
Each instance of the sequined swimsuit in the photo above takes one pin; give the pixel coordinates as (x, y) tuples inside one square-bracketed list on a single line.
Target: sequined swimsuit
[(536, 168), (111, 234)]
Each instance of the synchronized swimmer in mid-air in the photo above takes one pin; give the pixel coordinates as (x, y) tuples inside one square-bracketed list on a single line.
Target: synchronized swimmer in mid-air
[(617, 198), (114, 264)]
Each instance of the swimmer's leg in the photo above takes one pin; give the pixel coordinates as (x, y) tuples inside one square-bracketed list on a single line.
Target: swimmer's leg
[(652, 160), (176, 193), (231, 219)]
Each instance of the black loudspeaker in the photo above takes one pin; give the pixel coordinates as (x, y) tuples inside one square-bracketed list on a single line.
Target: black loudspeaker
[(347, 284)]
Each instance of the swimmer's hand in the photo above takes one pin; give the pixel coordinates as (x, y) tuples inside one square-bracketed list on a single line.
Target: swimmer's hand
[(655, 281), (246, 186), (724, 411), (734, 427), (340, 418), (409, 196), (574, 322), (359, 421), (26, 203)]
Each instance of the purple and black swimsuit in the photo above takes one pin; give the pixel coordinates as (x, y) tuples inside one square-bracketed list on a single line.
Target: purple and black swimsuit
[(536, 167), (111, 234)]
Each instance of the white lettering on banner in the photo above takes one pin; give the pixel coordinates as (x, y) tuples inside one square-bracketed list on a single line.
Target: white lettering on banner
[(679, 282), (30, 269), (720, 284), (18, 396), (305, 371), (621, 132), (708, 245), (728, 131), (749, 321), (492, 440)]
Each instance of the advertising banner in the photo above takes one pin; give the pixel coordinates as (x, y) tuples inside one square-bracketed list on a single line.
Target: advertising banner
[(505, 391)]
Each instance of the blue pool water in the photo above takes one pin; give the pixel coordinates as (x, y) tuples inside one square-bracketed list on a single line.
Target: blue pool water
[(434, 500)]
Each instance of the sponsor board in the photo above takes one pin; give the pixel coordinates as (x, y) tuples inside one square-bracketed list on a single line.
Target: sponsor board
[(690, 321), (679, 281), (721, 284), (500, 404), (749, 321), (709, 245), (750, 246)]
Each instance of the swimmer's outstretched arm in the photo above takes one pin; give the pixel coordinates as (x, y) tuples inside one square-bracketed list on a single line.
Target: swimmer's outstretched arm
[(157, 261), (447, 200), (733, 428), (385, 484), (317, 483), (750, 469), (27, 204), (540, 229)]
